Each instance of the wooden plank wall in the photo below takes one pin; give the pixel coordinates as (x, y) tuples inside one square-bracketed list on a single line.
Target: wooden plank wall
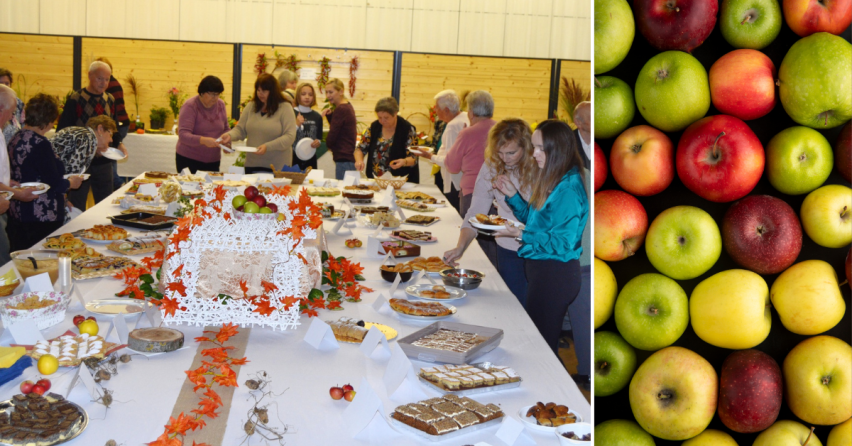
[(520, 87), (374, 78), (159, 66), (39, 64), (580, 72)]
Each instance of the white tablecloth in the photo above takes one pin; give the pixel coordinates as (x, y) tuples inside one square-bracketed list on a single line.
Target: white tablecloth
[(146, 389)]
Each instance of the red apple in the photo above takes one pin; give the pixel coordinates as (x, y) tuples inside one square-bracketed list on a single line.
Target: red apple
[(39, 389), (843, 152), (349, 395), (26, 387), (750, 389), (806, 17), (742, 84), (260, 200), (250, 193), (44, 383), (347, 387), (272, 206), (336, 393), (675, 24), (600, 167), (642, 160), (620, 225), (719, 158), (762, 233), (78, 318)]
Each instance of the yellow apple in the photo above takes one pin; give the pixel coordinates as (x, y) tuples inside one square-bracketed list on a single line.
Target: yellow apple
[(606, 289), (827, 216), (711, 437), (88, 326), (730, 309), (807, 298), (818, 380), (841, 435), (787, 433), (47, 364)]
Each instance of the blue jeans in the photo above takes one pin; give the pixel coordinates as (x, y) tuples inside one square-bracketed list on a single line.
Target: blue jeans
[(341, 167), (511, 268)]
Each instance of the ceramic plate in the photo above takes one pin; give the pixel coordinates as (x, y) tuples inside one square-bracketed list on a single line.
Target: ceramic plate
[(111, 307), (114, 154), (531, 422), (455, 293), (78, 427), (226, 148), (245, 149), (84, 175), (98, 242), (36, 184), (476, 224), (428, 318)]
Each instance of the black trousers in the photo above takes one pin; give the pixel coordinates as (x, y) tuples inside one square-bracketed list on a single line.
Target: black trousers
[(183, 162), (101, 184), (551, 286), (24, 235), (452, 196)]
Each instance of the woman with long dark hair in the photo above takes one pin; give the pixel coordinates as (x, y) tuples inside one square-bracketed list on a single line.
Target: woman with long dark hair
[(555, 216)]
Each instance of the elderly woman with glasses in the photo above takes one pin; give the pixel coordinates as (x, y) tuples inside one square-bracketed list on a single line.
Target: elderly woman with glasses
[(203, 119), (386, 144)]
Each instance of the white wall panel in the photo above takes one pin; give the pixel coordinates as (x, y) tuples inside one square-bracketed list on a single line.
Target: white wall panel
[(18, 16), (204, 20), (435, 26), (481, 27), (326, 23), (249, 21), (388, 25), (159, 20), (61, 16), (106, 18), (571, 39), (527, 30)]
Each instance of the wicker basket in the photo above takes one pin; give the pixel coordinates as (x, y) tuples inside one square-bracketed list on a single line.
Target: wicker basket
[(295, 177), (397, 183), (43, 317)]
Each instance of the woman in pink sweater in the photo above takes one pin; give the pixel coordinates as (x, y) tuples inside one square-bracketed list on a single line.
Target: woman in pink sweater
[(202, 119), (468, 152)]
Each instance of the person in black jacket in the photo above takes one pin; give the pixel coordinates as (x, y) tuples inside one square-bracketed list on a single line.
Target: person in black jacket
[(386, 144), (308, 123), (583, 121)]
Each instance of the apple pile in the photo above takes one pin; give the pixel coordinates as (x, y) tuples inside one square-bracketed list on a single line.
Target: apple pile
[(347, 392), (40, 387), (252, 202), (723, 222)]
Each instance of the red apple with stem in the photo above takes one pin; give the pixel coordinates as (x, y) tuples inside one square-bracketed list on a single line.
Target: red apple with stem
[(843, 152), (806, 17), (762, 233), (742, 84), (600, 167), (620, 225), (642, 160), (675, 24), (251, 192), (719, 158), (750, 389)]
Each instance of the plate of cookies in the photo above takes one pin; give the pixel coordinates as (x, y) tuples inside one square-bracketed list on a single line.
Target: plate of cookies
[(435, 292)]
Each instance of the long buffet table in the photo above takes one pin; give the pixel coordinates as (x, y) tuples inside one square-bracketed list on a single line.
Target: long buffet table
[(146, 390)]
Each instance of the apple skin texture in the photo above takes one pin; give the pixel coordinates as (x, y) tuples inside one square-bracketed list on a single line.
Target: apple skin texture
[(642, 161), (620, 225), (711, 437), (798, 160), (750, 24), (600, 167), (651, 312), (841, 435), (843, 152), (786, 433), (616, 373), (750, 391), (827, 216), (673, 394), (614, 32), (621, 433), (762, 233), (742, 84), (614, 106), (680, 25), (806, 17), (683, 242), (606, 290), (807, 298), (818, 380), (672, 91), (730, 309)]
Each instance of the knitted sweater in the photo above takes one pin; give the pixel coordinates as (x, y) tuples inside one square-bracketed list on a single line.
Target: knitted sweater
[(83, 105), (277, 131)]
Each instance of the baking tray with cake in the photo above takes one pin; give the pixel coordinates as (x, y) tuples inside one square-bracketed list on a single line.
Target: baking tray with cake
[(445, 418), (427, 344), (438, 293), (469, 379), (63, 420), (414, 236), (358, 196), (143, 220), (422, 220)]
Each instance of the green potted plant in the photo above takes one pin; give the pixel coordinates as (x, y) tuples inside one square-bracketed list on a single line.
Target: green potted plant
[(158, 117)]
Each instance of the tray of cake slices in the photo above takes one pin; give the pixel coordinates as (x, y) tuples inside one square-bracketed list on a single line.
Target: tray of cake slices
[(451, 342), (445, 418), (469, 379)]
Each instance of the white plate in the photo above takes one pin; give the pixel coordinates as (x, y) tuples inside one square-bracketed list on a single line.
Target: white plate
[(434, 205), (111, 307), (245, 149), (84, 175), (98, 242), (114, 154), (226, 148), (7, 194), (476, 224), (36, 184), (455, 293), (452, 309), (531, 423), (431, 240), (303, 150)]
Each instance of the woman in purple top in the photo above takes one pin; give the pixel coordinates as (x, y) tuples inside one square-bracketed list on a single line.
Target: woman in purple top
[(202, 120)]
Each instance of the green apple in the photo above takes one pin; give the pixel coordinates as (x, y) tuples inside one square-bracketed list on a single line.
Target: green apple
[(614, 31), (750, 24), (614, 107), (841, 435), (798, 160), (621, 433), (786, 433), (683, 242), (813, 81), (807, 298), (615, 362), (238, 201), (672, 91), (251, 207), (651, 312), (818, 380), (827, 216), (673, 394), (606, 289), (730, 309), (711, 437), (265, 210)]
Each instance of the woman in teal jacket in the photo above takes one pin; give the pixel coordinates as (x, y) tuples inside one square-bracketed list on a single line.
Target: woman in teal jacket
[(555, 217)]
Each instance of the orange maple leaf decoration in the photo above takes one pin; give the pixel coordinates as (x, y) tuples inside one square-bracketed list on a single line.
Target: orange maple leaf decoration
[(244, 287), (170, 305), (177, 286), (268, 287), (227, 331), (220, 193), (280, 190), (180, 235), (166, 440), (178, 271), (264, 308), (332, 305), (310, 313), (288, 301)]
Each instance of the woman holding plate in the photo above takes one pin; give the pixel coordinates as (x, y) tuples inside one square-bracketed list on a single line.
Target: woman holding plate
[(555, 216), (32, 159), (510, 153), (309, 124), (202, 119)]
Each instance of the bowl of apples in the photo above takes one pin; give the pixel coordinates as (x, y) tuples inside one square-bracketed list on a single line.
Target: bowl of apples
[(253, 206)]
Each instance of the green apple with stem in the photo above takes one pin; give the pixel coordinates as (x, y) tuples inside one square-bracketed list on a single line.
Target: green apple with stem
[(672, 91), (606, 289), (813, 81), (651, 312), (673, 394), (730, 309), (614, 107), (841, 435), (622, 433), (683, 242), (827, 216), (614, 32), (750, 24), (818, 380), (615, 362), (711, 437), (807, 298), (787, 433), (798, 160)]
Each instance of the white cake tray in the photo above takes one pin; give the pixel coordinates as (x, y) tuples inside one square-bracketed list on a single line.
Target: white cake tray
[(473, 391), (404, 428)]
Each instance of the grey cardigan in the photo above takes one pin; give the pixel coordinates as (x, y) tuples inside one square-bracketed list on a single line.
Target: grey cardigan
[(277, 131)]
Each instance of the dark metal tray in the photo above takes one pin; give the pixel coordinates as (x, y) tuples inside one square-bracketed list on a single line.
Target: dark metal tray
[(129, 221)]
